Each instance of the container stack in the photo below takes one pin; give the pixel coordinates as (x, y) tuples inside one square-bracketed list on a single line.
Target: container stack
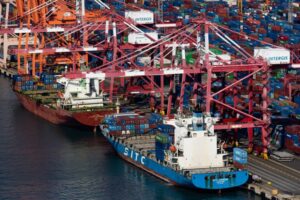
[(281, 104), (240, 158), (49, 82), (265, 23), (292, 138), (24, 83), (167, 130), (154, 120), (132, 124), (47, 79), (162, 143)]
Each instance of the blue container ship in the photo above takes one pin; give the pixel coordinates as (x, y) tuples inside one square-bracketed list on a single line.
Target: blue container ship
[(183, 151)]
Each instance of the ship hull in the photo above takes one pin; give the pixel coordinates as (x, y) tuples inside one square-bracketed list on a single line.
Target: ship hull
[(170, 175), (89, 119)]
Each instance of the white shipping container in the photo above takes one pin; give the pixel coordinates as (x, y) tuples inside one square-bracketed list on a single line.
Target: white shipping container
[(296, 66), (296, 5), (166, 62), (225, 57), (274, 56), (230, 2), (144, 60), (140, 17), (141, 38), (147, 61), (215, 60)]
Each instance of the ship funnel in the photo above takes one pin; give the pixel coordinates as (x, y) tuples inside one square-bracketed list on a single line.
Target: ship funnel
[(197, 121)]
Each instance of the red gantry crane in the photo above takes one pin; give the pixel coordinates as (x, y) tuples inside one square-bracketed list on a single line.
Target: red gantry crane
[(165, 65), (149, 60)]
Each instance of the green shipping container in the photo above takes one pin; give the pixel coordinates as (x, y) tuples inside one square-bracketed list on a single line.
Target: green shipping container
[(125, 39), (188, 57), (162, 138), (216, 51), (230, 76)]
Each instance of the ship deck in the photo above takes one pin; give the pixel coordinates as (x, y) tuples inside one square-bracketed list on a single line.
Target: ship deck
[(145, 144)]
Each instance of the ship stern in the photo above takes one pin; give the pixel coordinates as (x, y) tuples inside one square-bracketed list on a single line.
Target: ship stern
[(220, 180)]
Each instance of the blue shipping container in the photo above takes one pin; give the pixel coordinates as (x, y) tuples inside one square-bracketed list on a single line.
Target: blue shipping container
[(240, 156)]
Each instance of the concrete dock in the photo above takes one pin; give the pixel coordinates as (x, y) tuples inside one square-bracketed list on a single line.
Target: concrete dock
[(279, 180)]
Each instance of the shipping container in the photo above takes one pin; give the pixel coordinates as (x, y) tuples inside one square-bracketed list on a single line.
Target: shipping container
[(274, 56), (142, 38), (140, 17)]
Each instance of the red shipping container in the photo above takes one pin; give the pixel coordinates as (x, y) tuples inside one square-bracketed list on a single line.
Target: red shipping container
[(283, 37), (254, 36), (276, 28), (226, 19), (268, 40), (294, 129), (252, 21), (253, 28), (262, 31), (18, 83), (289, 144), (235, 36)]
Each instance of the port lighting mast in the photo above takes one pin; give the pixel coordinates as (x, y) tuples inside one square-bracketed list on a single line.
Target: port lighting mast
[(160, 4), (290, 11)]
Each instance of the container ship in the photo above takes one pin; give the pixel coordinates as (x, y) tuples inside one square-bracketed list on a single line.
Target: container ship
[(183, 151), (71, 102)]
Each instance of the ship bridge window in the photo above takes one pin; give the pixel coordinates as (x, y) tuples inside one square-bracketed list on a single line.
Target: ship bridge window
[(174, 160), (189, 134), (180, 153), (177, 123), (198, 126), (227, 176), (74, 94)]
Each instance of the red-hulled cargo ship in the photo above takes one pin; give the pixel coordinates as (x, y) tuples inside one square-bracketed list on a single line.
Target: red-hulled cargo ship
[(64, 105), (64, 117)]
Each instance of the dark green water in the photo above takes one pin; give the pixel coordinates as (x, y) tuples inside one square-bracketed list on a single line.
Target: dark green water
[(39, 160)]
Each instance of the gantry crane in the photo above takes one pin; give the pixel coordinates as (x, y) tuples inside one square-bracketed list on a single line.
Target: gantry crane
[(162, 67)]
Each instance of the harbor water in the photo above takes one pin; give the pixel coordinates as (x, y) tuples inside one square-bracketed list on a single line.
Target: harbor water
[(39, 160)]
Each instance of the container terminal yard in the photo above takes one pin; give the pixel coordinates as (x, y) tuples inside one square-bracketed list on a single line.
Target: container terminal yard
[(202, 94)]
